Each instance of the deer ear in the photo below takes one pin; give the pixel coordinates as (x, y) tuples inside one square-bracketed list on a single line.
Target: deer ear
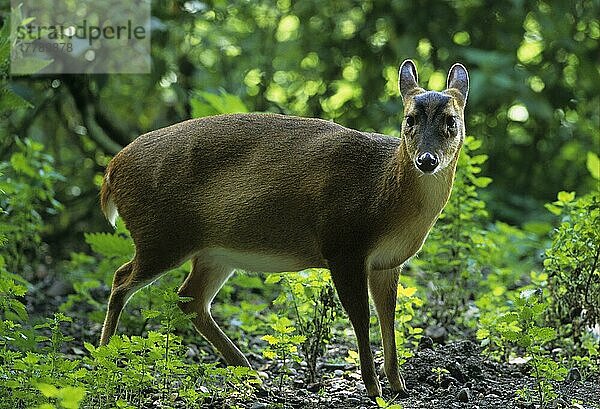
[(458, 79), (407, 77)]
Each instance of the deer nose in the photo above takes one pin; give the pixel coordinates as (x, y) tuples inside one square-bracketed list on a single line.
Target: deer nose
[(427, 162)]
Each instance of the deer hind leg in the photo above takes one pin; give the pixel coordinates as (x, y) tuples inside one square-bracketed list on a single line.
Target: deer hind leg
[(126, 281), (350, 281), (384, 287), (142, 270), (202, 284)]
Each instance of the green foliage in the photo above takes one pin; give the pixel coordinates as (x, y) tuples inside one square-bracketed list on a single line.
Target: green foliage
[(9, 100), (283, 344), (128, 367), (124, 371), (311, 297), (89, 274), (572, 264), (439, 372), (68, 397), (407, 335), (12, 287), (593, 165), (29, 186), (206, 104), (521, 327), (381, 403)]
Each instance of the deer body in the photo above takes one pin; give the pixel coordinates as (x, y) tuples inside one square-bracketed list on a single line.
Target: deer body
[(266, 192)]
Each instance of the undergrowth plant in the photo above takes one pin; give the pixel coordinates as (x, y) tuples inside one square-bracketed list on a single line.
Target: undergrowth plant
[(408, 304), (573, 266), (522, 330), (311, 298), (129, 372), (29, 185), (283, 344)]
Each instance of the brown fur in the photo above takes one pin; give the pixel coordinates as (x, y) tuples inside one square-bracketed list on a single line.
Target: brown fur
[(105, 195), (268, 192)]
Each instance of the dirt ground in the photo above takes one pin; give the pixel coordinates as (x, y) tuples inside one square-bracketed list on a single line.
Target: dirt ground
[(472, 381)]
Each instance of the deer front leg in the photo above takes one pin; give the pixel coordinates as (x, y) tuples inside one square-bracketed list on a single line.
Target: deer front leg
[(350, 281), (384, 286)]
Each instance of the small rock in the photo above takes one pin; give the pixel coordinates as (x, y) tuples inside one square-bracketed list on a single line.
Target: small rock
[(298, 383), (258, 405), (191, 352), (456, 371), (464, 395), (314, 387), (425, 343), (354, 375), (338, 372), (447, 381), (262, 374), (574, 375), (519, 360)]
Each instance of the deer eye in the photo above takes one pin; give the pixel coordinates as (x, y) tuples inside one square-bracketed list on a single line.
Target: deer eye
[(410, 120), (450, 123)]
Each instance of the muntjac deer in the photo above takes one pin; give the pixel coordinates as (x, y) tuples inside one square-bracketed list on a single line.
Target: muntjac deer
[(273, 193)]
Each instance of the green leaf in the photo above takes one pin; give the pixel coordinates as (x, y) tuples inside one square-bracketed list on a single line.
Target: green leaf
[(71, 396), (566, 197), (270, 339), (482, 181), (297, 339), (380, 402), (10, 101), (201, 109), (110, 245), (543, 335), (593, 164), (553, 209), (273, 278), (49, 391), (89, 346), (482, 333), (150, 314), (20, 164), (211, 104), (478, 159)]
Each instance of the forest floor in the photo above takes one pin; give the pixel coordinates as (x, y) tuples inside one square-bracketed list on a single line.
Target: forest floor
[(470, 380)]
